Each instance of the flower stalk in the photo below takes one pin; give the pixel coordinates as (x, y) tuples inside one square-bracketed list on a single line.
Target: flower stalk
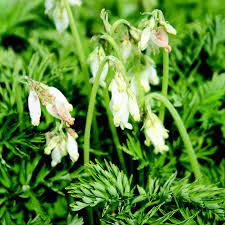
[(183, 132), (87, 132), (164, 83)]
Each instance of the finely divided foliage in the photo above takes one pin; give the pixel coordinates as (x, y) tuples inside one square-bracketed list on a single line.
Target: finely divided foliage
[(115, 118)]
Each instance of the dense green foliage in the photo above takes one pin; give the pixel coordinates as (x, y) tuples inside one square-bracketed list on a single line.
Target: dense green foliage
[(157, 189)]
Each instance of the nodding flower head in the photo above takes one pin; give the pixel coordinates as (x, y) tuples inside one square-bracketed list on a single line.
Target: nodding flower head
[(123, 102), (155, 133), (56, 10), (54, 101), (155, 32), (59, 144)]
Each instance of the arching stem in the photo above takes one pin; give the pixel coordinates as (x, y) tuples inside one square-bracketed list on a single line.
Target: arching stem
[(183, 132), (112, 42), (117, 23)]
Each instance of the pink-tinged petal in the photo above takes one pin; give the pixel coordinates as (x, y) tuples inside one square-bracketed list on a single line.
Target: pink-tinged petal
[(160, 38)]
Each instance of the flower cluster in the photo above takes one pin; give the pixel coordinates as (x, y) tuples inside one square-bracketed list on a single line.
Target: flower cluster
[(58, 143), (57, 10), (154, 32), (151, 33), (123, 102), (54, 101)]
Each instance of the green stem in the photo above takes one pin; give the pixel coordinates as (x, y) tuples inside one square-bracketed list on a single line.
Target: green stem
[(90, 111), (117, 23), (183, 132), (108, 38), (79, 46), (164, 83), (113, 130)]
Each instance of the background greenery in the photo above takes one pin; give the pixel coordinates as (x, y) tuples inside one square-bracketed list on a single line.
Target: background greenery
[(31, 192)]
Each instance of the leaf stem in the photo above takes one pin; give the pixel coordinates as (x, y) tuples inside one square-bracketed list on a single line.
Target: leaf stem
[(164, 83), (183, 132), (79, 46)]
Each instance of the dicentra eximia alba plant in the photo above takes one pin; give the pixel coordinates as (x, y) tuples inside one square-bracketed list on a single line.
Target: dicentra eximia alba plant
[(131, 95), (124, 89)]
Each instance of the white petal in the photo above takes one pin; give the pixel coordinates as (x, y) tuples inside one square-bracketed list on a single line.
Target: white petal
[(51, 144), (60, 18), (59, 97), (170, 29), (49, 5), (144, 79), (56, 157), (75, 2), (160, 38), (154, 79), (133, 107), (72, 148), (145, 37), (34, 108)]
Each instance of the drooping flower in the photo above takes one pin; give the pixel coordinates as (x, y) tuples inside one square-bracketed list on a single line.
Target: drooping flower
[(145, 37), (54, 101), (147, 76), (56, 10), (72, 146), (95, 59), (59, 107), (34, 107), (126, 48), (60, 18), (160, 38), (59, 144), (155, 133), (119, 102), (133, 105), (155, 32)]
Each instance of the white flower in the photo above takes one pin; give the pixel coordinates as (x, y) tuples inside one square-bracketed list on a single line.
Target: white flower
[(145, 37), (34, 108), (95, 59), (49, 5), (126, 49), (133, 105), (59, 107), (119, 102), (160, 38), (72, 146), (60, 18), (147, 76), (155, 133), (153, 77), (75, 2), (56, 156)]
